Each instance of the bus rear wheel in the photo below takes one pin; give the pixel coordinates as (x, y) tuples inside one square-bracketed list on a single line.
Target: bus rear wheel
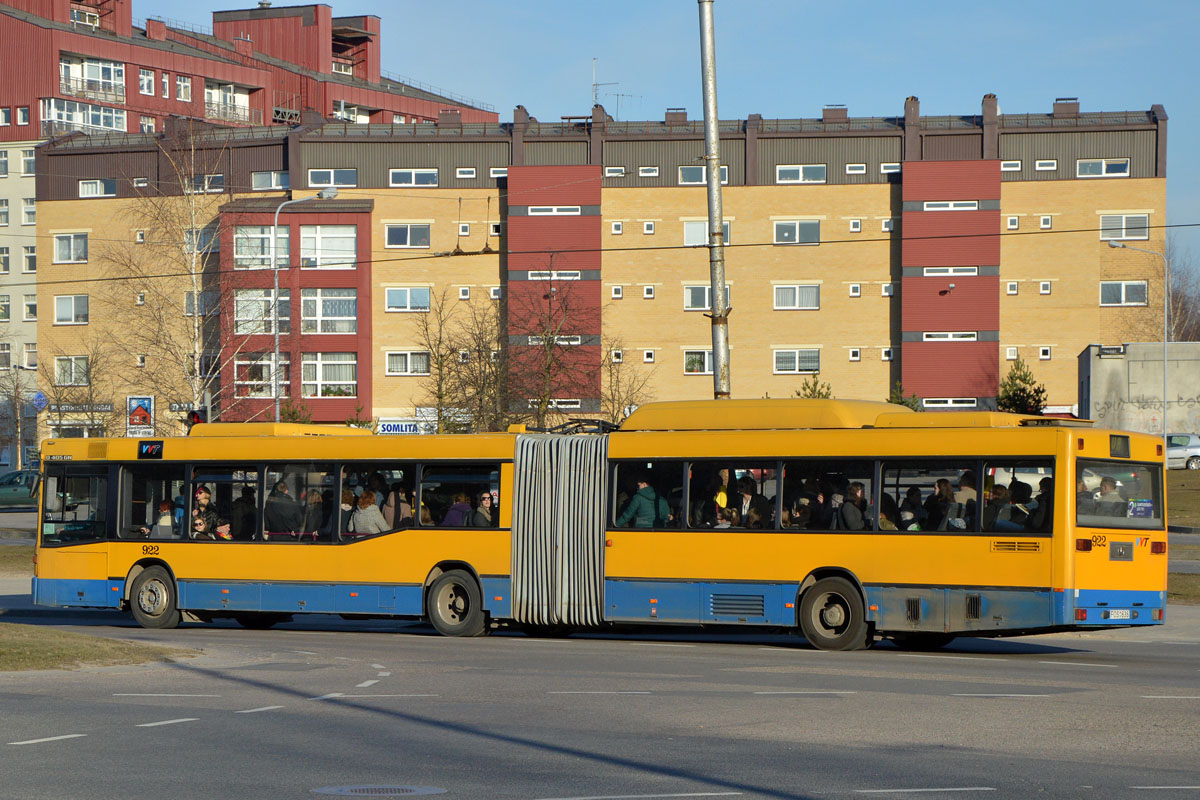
[(832, 616), (153, 599), (455, 605)]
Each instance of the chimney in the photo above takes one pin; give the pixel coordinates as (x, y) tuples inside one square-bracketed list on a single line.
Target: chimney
[(676, 116), (834, 112), (912, 129), (1065, 107), (156, 29), (991, 126), (264, 3)]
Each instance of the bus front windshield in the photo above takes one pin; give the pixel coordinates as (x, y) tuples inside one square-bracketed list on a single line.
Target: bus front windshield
[(1118, 494)]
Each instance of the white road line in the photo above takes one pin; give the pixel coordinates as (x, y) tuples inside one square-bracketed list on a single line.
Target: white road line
[(647, 796), (385, 674), (256, 710), (1171, 697), (800, 692), (344, 658), (377, 666), (132, 694), (358, 696), (953, 658), (365, 684), (605, 693), (965, 694), (1077, 664), (166, 722), (916, 791), (327, 696), (661, 644), (305, 652), (1152, 788), (51, 739)]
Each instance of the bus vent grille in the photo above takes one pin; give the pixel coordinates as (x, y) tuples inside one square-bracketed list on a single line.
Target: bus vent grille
[(974, 603), (912, 611), (1016, 547), (738, 605), (97, 450)]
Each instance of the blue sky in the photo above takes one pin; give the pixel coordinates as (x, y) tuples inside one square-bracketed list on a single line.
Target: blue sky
[(788, 58)]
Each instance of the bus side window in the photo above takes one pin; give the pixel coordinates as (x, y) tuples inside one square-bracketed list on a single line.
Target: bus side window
[(648, 494), (733, 494), (1019, 496), (452, 495), (930, 496), (151, 502), (232, 506), (299, 503), (393, 486), (814, 492)]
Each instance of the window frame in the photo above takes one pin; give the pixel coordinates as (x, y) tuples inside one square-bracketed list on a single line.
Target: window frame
[(74, 379), (1010, 166), (703, 175), (726, 230), (647, 172), (1124, 293), (71, 242), (856, 169), (707, 288), (264, 310), (74, 311), (614, 172), (950, 336), (1105, 163), (798, 288), (800, 170), (1125, 227), (706, 362), (408, 371), (799, 225), (795, 352), (315, 235), (317, 296), (1045, 165), (321, 360), (414, 177), (408, 307), (950, 205), (464, 173), (316, 182), (107, 187), (276, 185), (554, 211)]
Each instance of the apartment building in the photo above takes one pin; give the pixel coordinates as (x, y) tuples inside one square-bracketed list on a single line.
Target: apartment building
[(930, 251)]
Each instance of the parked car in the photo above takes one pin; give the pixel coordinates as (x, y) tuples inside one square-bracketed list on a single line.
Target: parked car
[(1183, 450), (15, 488)]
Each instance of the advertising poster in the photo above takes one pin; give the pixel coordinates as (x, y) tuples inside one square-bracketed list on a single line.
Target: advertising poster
[(139, 416)]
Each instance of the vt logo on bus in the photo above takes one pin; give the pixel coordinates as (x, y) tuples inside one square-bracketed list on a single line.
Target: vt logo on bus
[(150, 450)]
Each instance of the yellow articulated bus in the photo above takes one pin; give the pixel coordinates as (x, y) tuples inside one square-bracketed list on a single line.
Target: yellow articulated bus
[(845, 521)]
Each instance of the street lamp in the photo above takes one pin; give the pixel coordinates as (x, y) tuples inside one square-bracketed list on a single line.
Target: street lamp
[(325, 194), (1166, 319)]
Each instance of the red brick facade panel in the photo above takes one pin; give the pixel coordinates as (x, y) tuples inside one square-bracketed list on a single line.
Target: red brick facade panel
[(950, 238), (555, 243), (951, 180), (534, 186), (575, 371), (929, 304), (573, 307), (950, 369)]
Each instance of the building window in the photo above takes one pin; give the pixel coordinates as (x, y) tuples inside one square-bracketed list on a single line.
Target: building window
[(140, 299), (28, 161), (803, 231), (30, 308), (1046, 222), (648, 228), (183, 88), (554, 211), (252, 247), (1011, 287), (328, 310), (71, 309), (5, 308), (494, 228), (31, 360), (406, 298), (101, 187), (166, 85), (618, 356), (1124, 226), (1013, 223), (698, 176), (464, 229), (329, 374), (71, 371), (1010, 354), (697, 362), (647, 172), (255, 311), (618, 292), (5, 117), (889, 167), (886, 290), (494, 293), (647, 356), (201, 240), (931, 271), (328, 246), (855, 354), (885, 354), (3, 211), (413, 177), (554, 275), (1010, 166), (1045, 165), (699, 298), (253, 375), (950, 336), (952, 205), (146, 81), (647, 292), (1102, 168), (618, 228), (23, 115), (464, 173), (1044, 353), (1044, 287), (498, 172), (270, 180), (83, 116), (29, 211), (794, 362), (464, 293), (409, 235), (856, 226), (4, 263), (886, 225), (805, 297), (141, 183), (1123, 293), (322, 178), (29, 264), (207, 184), (208, 306), (3, 163), (856, 169), (695, 234), (800, 173), (949, 402), (856, 290), (411, 362), (614, 172), (70, 248)]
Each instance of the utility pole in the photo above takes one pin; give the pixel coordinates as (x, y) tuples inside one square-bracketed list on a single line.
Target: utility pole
[(716, 219)]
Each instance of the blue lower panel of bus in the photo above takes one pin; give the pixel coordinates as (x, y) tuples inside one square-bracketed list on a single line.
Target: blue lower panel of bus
[(734, 603), (966, 609), (82, 594), (1113, 607), (299, 598)]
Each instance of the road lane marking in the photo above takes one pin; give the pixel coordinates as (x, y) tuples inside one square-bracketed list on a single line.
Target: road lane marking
[(1077, 664), (256, 710), (166, 722), (51, 738), (143, 694), (359, 696), (1171, 697), (327, 696), (378, 666), (385, 674), (305, 652), (806, 692), (365, 684), (916, 791), (953, 658), (647, 796), (602, 693), (965, 694), (1152, 788)]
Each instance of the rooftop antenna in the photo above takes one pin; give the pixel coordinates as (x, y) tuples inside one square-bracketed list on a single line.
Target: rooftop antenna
[(595, 86), (619, 95)]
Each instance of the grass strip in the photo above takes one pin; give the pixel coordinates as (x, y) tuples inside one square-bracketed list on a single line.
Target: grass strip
[(1183, 589), (32, 647), (16, 560)]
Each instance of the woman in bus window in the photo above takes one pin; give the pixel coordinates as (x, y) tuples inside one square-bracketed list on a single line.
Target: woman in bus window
[(483, 512), (368, 518), (852, 513)]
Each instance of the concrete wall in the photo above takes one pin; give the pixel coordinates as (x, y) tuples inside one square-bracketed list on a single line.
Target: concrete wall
[(1124, 390)]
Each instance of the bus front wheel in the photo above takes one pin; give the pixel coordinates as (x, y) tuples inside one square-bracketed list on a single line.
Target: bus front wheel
[(153, 599), (832, 616), (455, 604)]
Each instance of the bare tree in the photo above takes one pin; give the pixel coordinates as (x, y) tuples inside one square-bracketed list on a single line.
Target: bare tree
[(18, 418), (80, 387), (1185, 292), (436, 333), (623, 388), (480, 380)]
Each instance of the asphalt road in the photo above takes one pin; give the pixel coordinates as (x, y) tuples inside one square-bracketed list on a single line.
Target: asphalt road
[(388, 710)]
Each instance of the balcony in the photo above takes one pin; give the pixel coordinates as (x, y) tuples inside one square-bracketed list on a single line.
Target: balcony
[(103, 91), (227, 112), (343, 66), (59, 127)]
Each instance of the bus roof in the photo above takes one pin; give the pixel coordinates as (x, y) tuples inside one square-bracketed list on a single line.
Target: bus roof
[(804, 413), (273, 429)]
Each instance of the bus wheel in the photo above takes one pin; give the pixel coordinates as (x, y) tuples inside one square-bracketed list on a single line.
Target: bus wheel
[(832, 616), (153, 599), (260, 622), (455, 606), (922, 641)]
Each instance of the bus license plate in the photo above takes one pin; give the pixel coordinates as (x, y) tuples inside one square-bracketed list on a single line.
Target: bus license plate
[(1119, 613)]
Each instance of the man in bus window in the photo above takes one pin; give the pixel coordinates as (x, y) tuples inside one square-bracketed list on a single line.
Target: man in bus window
[(645, 508), (282, 514), (749, 498)]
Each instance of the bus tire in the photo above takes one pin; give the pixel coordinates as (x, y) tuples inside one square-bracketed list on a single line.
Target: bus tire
[(261, 621), (454, 605), (922, 642), (153, 599), (832, 616)]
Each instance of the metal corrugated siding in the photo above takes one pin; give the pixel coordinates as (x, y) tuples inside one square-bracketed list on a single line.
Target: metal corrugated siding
[(973, 304), (557, 185), (257, 158), (373, 160), (65, 170), (836, 153), (950, 369), (951, 180), (1140, 147), (669, 156), (950, 238), (959, 147), (542, 153)]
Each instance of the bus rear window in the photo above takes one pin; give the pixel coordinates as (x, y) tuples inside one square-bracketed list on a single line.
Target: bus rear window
[(1118, 494), (75, 507)]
